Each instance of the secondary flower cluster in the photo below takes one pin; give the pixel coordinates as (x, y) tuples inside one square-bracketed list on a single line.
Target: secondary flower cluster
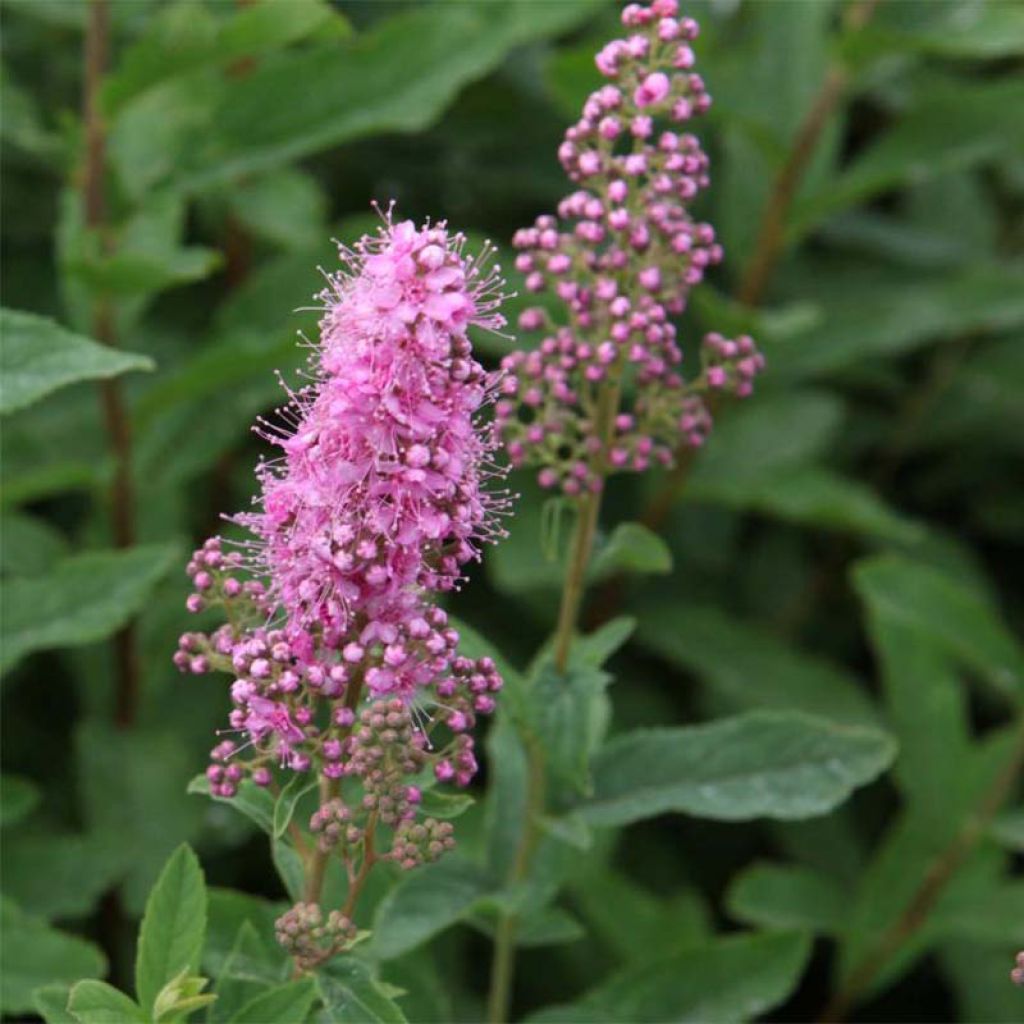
[(621, 257), (343, 666)]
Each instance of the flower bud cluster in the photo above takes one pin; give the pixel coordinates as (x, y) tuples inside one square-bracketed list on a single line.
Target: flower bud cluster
[(620, 257), (310, 939), (1017, 974), (418, 843)]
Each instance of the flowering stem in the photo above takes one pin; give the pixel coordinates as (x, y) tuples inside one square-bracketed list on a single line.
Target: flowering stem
[(575, 581), (932, 885), (316, 866), (503, 962)]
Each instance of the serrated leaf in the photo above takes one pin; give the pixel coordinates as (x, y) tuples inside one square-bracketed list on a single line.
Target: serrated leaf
[(424, 903), (40, 357), (96, 1002), (40, 955), (83, 599), (173, 928), (761, 764)]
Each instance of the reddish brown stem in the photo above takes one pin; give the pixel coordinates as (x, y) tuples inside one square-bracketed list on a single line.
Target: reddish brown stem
[(770, 241), (104, 329), (932, 885)]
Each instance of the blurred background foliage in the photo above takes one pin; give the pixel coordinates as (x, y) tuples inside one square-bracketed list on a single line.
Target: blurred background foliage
[(848, 544)]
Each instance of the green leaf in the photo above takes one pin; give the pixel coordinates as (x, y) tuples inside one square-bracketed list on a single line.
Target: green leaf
[(173, 928), (245, 974), (911, 845), (549, 926), (424, 903), (788, 897), (594, 649), (631, 548), (29, 546), (83, 599), (569, 714), (35, 955), (286, 1004), (285, 206), (229, 912), (51, 1003), (761, 764), (96, 1002), (636, 924), (727, 980), (40, 357), (59, 874), (18, 798), (118, 804), (438, 804), (255, 802), (180, 998), (952, 126), (877, 312), (954, 617), (1008, 829), (198, 128), (927, 708), (759, 439), (352, 995), (751, 667), (814, 496), (284, 809)]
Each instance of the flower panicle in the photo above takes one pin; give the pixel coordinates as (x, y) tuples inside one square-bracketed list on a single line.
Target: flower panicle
[(343, 666), (620, 258)]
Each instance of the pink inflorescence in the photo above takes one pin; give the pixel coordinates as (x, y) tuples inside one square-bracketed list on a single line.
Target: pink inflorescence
[(342, 665), (621, 257), (1017, 974)]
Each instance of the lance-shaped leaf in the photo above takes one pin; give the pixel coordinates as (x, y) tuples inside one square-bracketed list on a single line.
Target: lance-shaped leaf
[(763, 764), (83, 599), (38, 356)]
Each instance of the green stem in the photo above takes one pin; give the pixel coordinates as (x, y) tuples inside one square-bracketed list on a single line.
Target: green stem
[(503, 962), (316, 865), (576, 576)]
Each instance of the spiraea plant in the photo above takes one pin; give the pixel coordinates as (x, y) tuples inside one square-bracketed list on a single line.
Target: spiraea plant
[(347, 682), (525, 679)]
